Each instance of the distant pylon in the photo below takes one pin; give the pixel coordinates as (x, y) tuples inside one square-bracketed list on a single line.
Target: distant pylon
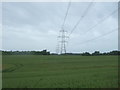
[(61, 48)]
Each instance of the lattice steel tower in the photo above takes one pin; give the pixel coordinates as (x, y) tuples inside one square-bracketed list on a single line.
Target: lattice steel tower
[(62, 43), (61, 46)]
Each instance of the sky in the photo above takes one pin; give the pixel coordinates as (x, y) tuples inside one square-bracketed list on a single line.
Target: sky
[(36, 26)]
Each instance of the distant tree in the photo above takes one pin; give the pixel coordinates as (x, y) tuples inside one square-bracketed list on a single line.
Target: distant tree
[(86, 54), (44, 52), (114, 53), (96, 53), (104, 53)]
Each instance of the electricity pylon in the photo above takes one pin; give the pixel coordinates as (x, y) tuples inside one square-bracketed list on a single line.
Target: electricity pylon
[(61, 47), (62, 43)]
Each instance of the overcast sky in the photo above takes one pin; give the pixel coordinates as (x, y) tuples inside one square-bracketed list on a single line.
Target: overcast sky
[(35, 26)]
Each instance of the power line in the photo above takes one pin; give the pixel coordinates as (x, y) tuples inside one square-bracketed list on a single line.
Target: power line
[(87, 9), (106, 17), (100, 36), (98, 24), (66, 14)]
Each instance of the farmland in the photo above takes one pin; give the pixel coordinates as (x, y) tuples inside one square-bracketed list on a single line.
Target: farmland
[(37, 71)]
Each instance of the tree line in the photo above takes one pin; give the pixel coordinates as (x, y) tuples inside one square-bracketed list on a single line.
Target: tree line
[(96, 53), (45, 52)]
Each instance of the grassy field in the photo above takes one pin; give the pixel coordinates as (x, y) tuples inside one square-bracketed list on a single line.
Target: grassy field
[(30, 71)]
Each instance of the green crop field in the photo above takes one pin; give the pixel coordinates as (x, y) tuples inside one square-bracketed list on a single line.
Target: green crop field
[(35, 71)]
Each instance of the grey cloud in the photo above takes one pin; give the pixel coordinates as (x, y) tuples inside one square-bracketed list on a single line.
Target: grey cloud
[(35, 26)]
